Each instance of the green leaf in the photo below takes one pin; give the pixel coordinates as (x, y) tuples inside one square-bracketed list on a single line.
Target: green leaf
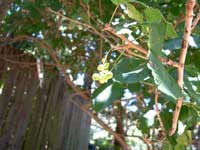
[(192, 117), (106, 94), (130, 71), (153, 15), (34, 13), (156, 38), (136, 75), (127, 64), (134, 13), (189, 89), (182, 141), (163, 80), (86, 1), (170, 31), (166, 145), (167, 119), (142, 125), (184, 113), (175, 43), (117, 2)]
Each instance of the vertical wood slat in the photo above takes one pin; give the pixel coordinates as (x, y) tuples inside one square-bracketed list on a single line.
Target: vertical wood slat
[(24, 114), (78, 127), (54, 131), (37, 115), (6, 95), (8, 128), (43, 117), (42, 137)]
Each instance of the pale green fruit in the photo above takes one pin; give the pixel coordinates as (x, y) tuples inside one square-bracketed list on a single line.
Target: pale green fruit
[(95, 76), (109, 75), (103, 60), (102, 80), (106, 66), (100, 67)]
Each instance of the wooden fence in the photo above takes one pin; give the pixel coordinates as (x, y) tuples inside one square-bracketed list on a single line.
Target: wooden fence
[(35, 118)]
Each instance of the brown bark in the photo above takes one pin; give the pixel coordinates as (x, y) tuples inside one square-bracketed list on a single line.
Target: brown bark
[(119, 113), (187, 32)]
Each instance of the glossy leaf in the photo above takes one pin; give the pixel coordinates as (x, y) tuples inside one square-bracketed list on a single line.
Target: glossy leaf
[(170, 31), (142, 125), (167, 145), (156, 38), (129, 71), (163, 80), (153, 15), (138, 74), (182, 141), (189, 89), (117, 2), (134, 13), (175, 43), (106, 94)]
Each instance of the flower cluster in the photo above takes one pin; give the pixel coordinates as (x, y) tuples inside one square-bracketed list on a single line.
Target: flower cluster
[(104, 74)]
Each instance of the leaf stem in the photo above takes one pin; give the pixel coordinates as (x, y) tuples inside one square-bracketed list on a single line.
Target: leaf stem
[(113, 14)]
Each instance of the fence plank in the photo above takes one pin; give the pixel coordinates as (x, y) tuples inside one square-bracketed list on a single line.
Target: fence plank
[(6, 95)]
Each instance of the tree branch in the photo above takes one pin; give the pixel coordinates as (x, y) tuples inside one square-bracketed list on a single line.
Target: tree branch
[(130, 44), (140, 49), (158, 111), (76, 89), (196, 20), (187, 32), (82, 24)]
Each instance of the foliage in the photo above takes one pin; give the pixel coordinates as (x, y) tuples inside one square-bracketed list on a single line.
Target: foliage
[(75, 31)]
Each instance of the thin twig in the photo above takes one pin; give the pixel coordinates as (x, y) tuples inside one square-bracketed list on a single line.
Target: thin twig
[(131, 45), (128, 51), (83, 24), (113, 14), (196, 20), (101, 40), (187, 32), (157, 110), (169, 62)]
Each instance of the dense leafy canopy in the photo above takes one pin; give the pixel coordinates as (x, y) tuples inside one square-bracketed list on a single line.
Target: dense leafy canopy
[(75, 31)]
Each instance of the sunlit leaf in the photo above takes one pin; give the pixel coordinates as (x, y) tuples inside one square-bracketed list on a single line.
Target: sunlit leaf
[(182, 141), (170, 31), (117, 2), (86, 1), (181, 128), (153, 15), (164, 81), (156, 38), (150, 114), (189, 89), (129, 71), (166, 145), (134, 13), (175, 43), (106, 94)]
